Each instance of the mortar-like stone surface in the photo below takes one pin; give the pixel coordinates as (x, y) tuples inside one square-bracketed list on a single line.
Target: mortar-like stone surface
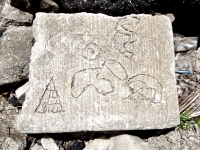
[(92, 72)]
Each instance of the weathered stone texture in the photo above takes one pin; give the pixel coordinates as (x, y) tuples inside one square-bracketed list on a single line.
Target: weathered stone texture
[(15, 51), (12, 16), (95, 72)]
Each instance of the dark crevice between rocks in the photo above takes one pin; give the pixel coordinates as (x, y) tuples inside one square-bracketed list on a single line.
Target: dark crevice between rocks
[(10, 86), (86, 136)]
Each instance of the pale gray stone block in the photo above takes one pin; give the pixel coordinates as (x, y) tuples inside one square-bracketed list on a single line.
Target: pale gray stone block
[(92, 72)]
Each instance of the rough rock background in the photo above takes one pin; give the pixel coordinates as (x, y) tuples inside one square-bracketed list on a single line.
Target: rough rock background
[(15, 50)]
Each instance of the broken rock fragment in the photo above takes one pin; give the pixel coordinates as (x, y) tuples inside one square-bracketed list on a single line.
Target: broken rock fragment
[(15, 50)]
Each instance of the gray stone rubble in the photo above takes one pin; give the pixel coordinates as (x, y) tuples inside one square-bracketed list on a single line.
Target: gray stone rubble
[(12, 16)]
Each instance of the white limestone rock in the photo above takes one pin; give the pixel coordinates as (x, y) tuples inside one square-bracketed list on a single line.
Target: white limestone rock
[(128, 142), (49, 144), (92, 72)]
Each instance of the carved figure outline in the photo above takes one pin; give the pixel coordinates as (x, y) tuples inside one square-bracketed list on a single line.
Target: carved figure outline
[(92, 77), (128, 36), (50, 100), (91, 52), (141, 86), (144, 87)]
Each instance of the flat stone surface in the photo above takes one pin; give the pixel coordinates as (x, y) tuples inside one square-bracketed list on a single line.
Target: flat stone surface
[(92, 72)]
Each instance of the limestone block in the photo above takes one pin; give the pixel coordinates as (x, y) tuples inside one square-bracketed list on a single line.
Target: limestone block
[(92, 72)]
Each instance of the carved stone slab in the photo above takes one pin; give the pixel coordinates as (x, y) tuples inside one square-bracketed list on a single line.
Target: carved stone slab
[(92, 72)]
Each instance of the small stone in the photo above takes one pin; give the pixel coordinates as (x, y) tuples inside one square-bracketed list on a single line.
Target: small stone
[(49, 144), (128, 142), (15, 51), (75, 145), (13, 16)]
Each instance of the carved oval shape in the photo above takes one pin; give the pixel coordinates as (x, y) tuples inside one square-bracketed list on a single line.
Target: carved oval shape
[(116, 69)]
